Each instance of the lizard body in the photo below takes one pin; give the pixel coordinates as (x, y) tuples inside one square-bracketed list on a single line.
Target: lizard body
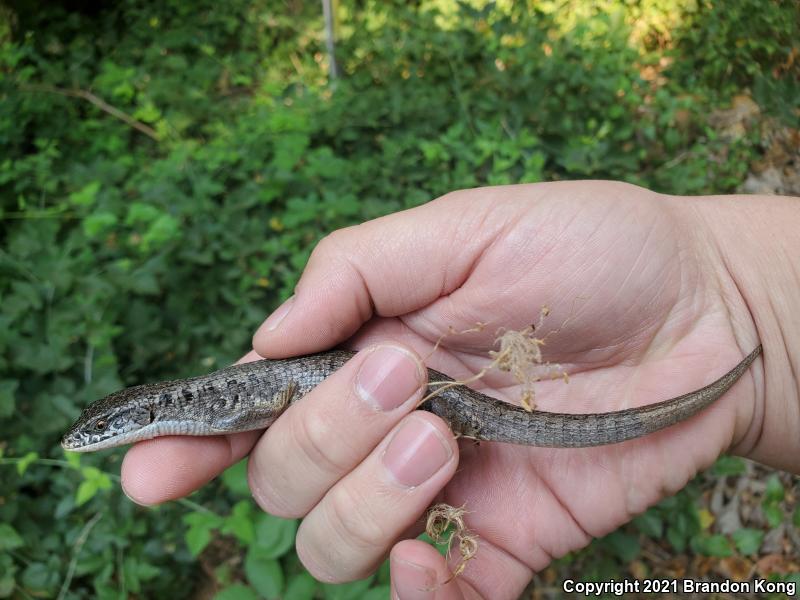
[(252, 395)]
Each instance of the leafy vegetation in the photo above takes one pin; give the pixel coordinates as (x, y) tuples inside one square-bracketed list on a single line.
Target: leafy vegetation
[(167, 167)]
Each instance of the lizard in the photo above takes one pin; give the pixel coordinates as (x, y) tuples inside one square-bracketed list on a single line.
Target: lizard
[(252, 396)]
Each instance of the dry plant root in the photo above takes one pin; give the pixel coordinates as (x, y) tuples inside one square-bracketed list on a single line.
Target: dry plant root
[(520, 355), (453, 331), (440, 518)]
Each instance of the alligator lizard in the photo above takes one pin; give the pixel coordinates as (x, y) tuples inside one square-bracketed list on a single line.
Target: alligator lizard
[(252, 395)]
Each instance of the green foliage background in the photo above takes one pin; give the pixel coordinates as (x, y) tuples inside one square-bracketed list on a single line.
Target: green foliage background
[(135, 253)]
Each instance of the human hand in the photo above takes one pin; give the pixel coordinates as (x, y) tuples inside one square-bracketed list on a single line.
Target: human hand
[(646, 315)]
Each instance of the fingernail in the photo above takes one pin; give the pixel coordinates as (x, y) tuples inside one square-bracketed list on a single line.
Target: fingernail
[(412, 581), (280, 313), (416, 452), (388, 377)]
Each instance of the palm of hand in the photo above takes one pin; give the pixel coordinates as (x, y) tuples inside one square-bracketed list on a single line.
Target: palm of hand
[(625, 327)]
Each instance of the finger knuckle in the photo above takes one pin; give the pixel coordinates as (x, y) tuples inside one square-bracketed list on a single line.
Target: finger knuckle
[(332, 243), (355, 524), (319, 559), (323, 446), (271, 492), (453, 196)]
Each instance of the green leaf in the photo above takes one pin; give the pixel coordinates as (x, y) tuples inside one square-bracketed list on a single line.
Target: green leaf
[(201, 524), (160, 231), (236, 592), (240, 522), (264, 574), (7, 584), (40, 578), (748, 541), (8, 571), (7, 401), (235, 478), (86, 195), (93, 473), (201, 518), (729, 465), (274, 536), (26, 461), (197, 538), (346, 591), (97, 223), (712, 545), (650, 524), (86, 491), (384, 574), (796, 516), (378, 593), (147, 112), (9, 538), (301, 587), (73, 458), (139, 212), (624, 546), (774, 491), (773, 514)]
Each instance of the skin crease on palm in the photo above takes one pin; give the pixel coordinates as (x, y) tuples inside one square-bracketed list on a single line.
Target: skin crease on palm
[(643, 308)]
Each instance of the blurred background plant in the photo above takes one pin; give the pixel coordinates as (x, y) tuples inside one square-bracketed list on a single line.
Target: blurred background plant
[(167, 168)]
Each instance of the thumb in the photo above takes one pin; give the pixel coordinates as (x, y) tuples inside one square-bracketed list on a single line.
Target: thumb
[(387, 267)]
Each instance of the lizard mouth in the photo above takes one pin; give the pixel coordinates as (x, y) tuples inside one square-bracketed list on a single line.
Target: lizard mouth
[(71, 442), (75, 442)]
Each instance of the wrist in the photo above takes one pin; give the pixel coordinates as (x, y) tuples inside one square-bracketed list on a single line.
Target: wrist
[(752, 246)]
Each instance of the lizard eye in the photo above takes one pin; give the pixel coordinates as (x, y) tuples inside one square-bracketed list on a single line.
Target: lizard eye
[(101, 425)]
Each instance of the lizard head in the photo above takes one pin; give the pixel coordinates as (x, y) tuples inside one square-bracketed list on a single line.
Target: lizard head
[(111, 421)]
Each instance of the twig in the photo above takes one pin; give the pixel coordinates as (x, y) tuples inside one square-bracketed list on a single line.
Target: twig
[(23, 591), (298, 66), (76, 551), (121, 566), (48, 213), (53, 462), (676, 159), (459, 94), (98, 102)]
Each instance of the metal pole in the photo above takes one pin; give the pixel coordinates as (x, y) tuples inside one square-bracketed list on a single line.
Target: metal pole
[(327, 11)]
